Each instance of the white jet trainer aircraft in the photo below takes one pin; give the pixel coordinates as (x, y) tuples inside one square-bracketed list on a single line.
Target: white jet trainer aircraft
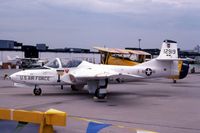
[(79, 73)]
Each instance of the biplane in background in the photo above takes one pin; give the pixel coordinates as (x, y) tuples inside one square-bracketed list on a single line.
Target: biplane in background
[(125, 57)]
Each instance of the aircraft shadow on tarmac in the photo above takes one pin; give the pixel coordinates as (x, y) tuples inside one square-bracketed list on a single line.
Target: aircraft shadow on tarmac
[(185, 86), (57, 92), (142, 94), (68, 92), (8, 86), (115, 98), (134, 97), (113, 93)]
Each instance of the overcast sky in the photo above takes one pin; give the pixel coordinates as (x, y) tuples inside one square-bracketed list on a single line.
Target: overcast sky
[(113, 23)]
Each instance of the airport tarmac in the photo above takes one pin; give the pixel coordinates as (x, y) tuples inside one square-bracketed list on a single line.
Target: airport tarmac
[(155, 104)]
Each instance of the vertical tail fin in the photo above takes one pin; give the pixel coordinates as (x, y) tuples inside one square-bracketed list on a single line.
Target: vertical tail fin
[(168, 51), (9, 58)]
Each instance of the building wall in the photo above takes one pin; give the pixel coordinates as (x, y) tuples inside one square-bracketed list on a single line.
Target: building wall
[(7, 44), (95, 58)]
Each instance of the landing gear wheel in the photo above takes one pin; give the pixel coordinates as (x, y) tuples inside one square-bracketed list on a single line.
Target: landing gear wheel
[(174, 81), (100, 95), (37, 91)]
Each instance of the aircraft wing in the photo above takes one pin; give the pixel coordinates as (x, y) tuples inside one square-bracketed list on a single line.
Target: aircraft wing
[(95, 74), (92, 74)]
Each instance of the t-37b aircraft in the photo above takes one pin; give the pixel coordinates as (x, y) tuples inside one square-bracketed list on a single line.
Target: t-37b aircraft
[(96, 76)]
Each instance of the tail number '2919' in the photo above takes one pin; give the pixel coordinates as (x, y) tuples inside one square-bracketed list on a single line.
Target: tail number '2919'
[(168, 52)]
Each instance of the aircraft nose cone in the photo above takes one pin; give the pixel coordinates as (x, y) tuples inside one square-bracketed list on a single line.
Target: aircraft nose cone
[(13, 77)]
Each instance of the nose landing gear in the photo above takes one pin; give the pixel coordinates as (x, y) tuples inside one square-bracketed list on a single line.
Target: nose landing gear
[(37, 91)]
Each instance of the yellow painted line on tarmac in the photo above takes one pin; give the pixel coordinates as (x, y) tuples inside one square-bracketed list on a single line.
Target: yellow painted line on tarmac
[(84, 119), (144, 131), (137, 130), (119, 126)]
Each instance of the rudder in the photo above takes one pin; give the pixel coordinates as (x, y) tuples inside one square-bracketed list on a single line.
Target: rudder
[(169, 51)]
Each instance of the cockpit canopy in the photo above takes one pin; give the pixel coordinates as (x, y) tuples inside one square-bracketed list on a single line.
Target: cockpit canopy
[(53, 64), (63, 63), (70, 63)]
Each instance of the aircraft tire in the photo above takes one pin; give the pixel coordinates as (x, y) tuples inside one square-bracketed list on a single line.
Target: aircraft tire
[(99, 95), (37, 91), (174, 81)]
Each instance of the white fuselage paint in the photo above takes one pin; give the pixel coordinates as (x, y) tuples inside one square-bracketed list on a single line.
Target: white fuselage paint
[(34, 77), (150, 69)]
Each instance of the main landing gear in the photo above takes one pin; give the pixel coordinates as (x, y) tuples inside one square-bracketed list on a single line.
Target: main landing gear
[(174, 81), (37, 91), (100, 94), (98, 89)]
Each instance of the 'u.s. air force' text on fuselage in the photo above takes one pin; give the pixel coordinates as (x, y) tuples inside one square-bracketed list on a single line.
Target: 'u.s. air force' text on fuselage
[(25, 77)]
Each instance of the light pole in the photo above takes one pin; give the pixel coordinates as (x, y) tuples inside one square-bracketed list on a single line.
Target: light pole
[(139, 42)]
